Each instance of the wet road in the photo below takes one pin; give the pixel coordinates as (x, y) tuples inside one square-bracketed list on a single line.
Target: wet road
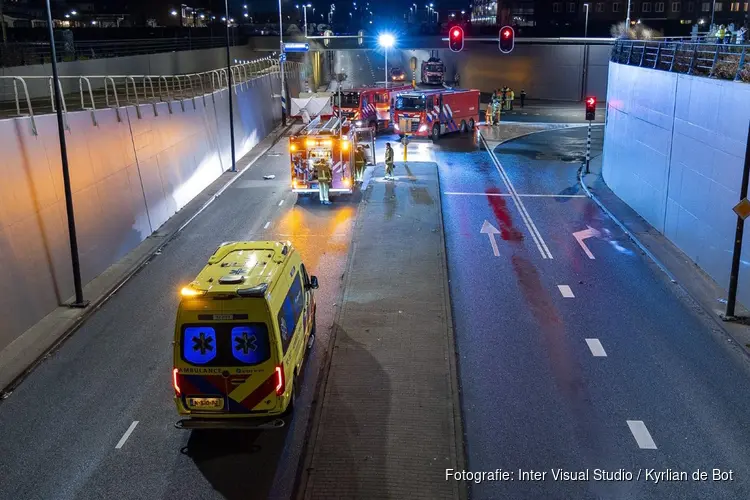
[(578, 358), (60, 429)]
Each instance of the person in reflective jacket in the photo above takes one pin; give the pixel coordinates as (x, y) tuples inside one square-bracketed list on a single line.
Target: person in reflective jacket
[(388, 161), (324, 179)]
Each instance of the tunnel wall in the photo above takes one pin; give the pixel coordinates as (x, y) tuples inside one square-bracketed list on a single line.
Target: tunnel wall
[(128, 176), (674, 147)]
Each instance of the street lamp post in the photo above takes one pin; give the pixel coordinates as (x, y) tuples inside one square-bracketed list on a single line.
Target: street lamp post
[(386, 41), (230, 90), (79, 302), (713, 9), (281, 66), (627, 18), (586, 24)]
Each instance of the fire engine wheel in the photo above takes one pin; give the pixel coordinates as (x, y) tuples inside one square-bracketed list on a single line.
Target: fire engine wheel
[(471, 123), (435, 133), (463, 127)]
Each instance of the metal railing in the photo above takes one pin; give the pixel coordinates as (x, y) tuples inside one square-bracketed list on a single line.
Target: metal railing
[(92, 93), (722, 61), (26, 53)]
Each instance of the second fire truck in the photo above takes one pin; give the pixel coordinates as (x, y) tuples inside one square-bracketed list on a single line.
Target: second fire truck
[(369, 106), (432, 113)]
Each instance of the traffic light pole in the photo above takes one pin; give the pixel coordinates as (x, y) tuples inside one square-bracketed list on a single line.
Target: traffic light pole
[(737, 252), (588, 148)]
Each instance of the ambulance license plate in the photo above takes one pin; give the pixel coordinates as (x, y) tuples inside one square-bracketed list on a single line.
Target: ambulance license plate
[(205, 403)]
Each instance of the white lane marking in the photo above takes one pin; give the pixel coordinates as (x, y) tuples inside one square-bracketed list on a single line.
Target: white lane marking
[(267, 224), (641, 435), (566, 291), (520, 195), (281, 202), (536, 236), (126, 435), (582, 235), (597, 349)]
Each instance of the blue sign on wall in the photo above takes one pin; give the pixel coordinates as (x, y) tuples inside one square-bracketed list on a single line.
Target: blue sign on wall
[(296, 47)]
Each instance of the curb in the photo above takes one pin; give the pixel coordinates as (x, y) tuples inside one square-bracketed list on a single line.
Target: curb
[(97, 302), (689, 296)]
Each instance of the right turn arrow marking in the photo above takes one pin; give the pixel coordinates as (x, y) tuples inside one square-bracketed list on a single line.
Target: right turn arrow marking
[(582, 235), (491, 231)]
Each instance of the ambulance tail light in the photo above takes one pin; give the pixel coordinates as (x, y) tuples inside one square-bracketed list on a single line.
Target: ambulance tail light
[(280, 382), (188, 292), (176, 382)]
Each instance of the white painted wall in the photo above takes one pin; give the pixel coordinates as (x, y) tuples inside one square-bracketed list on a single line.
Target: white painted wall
[(674, 148), (128, 177)]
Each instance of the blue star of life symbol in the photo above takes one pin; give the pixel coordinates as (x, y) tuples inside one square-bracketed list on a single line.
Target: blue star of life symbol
[(245, 343), (202, 344)]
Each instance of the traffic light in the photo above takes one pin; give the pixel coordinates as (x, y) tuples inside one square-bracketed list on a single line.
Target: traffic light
[(591, 108), (507, 39), (456, 39)]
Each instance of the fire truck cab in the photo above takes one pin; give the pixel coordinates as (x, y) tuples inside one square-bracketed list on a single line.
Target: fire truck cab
[(333, 142), (369, 106), (432, 113)]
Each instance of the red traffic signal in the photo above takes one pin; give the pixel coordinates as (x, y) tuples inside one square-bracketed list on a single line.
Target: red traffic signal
[(507, 39), (591, 108), (456, 39)]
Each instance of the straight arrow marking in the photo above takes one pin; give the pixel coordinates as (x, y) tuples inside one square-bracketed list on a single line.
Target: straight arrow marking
[(582, 235), (491, 231)]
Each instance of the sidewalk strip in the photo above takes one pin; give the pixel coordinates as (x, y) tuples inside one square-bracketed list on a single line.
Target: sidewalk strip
[(565, 291), (596, 347), (126, 435), (536, 236), (641, 435)]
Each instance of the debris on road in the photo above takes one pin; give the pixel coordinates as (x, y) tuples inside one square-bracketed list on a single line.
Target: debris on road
[(269, 177)]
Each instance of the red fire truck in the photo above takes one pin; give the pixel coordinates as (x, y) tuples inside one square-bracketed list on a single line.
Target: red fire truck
[(432, 113), (369, 106), (333, 142)]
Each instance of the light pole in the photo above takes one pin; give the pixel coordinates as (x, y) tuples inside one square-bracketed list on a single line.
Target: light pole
[(230, 89), (79, 302), (586, 24), (281, 66), (304, 9), (713, 9), (627, 18), (386, 41)]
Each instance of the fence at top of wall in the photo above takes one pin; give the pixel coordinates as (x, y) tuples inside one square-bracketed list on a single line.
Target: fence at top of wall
[(18, 94)]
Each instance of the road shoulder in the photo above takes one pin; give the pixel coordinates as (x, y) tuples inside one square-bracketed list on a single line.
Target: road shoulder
[(691, 282), (387, 422)]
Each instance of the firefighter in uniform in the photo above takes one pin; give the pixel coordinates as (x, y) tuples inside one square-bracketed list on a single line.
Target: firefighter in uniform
[(324, 179), (388, 161), (359, 164)]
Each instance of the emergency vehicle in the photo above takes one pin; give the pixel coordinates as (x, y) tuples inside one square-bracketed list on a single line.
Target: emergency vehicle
[(369, 106), (333, 141), (433, 70), (432, 113)]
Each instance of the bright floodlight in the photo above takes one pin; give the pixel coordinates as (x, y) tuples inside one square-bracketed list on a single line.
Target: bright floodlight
[(386, 40)]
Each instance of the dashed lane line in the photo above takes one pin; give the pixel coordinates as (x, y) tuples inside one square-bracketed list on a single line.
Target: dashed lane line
[(596, 347), (641, 435), (565, 291), (127, 434), (267, 224)]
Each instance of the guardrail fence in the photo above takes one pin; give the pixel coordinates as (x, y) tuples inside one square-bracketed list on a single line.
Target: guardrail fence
[(91, 93), (722, 61)]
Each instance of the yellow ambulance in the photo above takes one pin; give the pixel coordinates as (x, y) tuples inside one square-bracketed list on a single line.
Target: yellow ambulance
[(243, 329)]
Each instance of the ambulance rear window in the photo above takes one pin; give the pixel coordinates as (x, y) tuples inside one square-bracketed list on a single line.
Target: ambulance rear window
[(225, 345)]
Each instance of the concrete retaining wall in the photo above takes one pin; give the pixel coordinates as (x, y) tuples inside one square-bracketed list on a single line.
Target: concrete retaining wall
[(128, 175), (674, 147)]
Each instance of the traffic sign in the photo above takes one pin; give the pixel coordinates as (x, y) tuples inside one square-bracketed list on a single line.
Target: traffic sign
[(742, 209), (282, 57), (296, 47)]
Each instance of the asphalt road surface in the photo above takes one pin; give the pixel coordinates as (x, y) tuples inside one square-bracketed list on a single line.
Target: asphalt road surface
[(578, 358), (64, 433)]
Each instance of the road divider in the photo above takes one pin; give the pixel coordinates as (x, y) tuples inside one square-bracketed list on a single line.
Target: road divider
[(528, 221)]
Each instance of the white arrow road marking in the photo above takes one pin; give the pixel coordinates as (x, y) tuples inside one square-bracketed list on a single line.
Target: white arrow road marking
[(641, 435), (491, 231), (565, 291), (126, 435), (597, 349), (582, 235)]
